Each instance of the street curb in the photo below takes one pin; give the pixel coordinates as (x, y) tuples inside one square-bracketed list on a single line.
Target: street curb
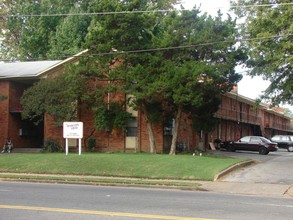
[(233, 168), (153, 183)]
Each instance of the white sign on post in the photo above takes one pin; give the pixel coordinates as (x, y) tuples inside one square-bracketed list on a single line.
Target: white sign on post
[(73, 130)]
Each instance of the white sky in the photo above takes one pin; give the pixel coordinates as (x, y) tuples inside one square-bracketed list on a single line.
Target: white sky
[(248, 87), (211, 6)]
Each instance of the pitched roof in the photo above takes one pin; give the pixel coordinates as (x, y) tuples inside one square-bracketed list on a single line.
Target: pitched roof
[(25, 69)]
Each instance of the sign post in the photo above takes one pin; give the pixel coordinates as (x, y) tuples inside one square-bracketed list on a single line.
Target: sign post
[(73, 130)]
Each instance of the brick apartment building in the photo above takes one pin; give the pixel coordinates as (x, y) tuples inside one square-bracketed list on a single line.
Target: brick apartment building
[(238, 117)]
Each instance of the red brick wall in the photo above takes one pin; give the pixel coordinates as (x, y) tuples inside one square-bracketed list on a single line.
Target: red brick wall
[(105, 141), (16, 91), (51, 131), (4, 112), (10, 123), (185, 135), (15, 123), (115, 141)]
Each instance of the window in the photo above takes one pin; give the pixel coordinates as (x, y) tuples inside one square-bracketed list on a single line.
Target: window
[(131, 130), (255, 140), (245, 139), (169, 127)]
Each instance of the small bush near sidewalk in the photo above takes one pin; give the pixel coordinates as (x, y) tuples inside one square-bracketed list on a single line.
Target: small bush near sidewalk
[(138, 165)]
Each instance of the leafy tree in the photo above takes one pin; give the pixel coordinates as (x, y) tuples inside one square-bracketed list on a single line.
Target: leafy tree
[(68, 39), (177, 78), (58, 96), (62, 95), (126, 32), (110, 116), (37, 37), (196, 76), (189, 76), (269, 29)]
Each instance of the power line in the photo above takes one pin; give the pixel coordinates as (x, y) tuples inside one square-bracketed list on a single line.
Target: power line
[(117, 52), (187, 46), (133, 12)]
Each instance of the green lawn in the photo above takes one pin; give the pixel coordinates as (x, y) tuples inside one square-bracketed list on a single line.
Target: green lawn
[(159, 166)]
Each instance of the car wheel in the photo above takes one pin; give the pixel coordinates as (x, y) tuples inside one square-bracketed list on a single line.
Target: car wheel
[(263, 151), (231, 148), (290, 148)]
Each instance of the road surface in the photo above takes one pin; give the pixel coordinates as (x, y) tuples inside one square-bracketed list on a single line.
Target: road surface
[(33, 201)]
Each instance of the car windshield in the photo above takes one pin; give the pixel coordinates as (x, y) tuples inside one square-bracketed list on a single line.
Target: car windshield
[(255, 140)]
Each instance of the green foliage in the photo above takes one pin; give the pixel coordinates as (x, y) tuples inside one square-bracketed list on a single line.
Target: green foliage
[(203, 115), (195, 77), (200, 59), (91, 143), (270, 50), (40, 37), (69, 36), (2, 97), (170, 78), (51, 146), (111, 115), (56, 96), (37, 37)]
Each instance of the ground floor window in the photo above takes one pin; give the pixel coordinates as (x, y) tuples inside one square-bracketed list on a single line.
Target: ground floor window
[(131, 130)]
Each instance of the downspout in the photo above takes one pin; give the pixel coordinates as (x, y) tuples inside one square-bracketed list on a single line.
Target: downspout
[(108, 107)]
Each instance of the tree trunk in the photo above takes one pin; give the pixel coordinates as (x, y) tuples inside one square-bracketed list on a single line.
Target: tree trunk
[(153, 149), (176, 129)]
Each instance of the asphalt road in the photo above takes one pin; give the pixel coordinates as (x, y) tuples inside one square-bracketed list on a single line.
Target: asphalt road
[(33, 201), (275, 168), (21, 201)]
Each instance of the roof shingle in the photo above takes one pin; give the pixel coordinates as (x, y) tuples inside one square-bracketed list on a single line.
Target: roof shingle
[(25, 69)]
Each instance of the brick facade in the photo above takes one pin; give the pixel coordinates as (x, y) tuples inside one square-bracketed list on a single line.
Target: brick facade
[(23, 133), (4, 112), (238, 117)]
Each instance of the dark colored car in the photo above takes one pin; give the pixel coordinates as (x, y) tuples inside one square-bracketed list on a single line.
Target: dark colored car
[(251, 143), (284, 141)]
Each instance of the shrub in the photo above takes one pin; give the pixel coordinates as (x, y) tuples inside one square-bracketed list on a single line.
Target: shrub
[(91, 143), (52, 146)]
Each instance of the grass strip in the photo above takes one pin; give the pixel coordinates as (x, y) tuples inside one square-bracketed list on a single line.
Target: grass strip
[(138, 165), (99, 180)]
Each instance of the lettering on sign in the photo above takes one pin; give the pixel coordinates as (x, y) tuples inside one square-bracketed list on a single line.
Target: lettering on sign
[(73, 130)]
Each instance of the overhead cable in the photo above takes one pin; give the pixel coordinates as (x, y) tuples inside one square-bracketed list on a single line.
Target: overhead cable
[(133, 12), (117, 52)]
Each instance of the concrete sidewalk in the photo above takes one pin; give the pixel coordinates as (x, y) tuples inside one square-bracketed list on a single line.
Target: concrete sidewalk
[(261, 189)]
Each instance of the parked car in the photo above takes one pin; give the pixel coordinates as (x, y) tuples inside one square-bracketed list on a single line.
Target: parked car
[(251, 143), (284, 141)]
